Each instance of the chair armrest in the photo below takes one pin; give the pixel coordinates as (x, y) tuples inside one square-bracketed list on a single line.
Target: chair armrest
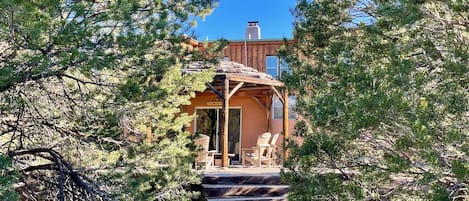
[(264, 145), (244, 150), (248, 149)]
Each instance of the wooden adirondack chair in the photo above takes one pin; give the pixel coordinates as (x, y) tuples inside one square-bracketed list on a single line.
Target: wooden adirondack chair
[(273, 148), (203, 155), (259, 154)]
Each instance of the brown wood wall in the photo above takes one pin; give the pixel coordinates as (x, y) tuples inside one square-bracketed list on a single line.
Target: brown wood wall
[(256, 52)]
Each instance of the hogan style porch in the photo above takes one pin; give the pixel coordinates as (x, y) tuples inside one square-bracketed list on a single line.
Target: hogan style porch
[(237, 85)]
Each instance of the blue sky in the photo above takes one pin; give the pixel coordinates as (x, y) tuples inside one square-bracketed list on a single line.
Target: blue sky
[(229, 19)]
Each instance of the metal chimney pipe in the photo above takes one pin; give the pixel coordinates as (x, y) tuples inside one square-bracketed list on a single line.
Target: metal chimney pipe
[(253, 31)]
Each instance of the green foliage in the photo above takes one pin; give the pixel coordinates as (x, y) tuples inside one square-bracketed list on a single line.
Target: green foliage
[(168, 176), (460, 169), (75, 74), (383, 88), (440, 194), (7, 180)]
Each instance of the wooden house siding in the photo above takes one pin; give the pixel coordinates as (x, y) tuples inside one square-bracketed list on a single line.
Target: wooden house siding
[(257, 50)]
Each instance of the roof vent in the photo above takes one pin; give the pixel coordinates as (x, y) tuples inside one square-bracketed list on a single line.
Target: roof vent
[(253, 31)]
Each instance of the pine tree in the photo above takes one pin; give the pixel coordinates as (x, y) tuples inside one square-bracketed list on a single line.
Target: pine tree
[(74, 75), (384, 90)]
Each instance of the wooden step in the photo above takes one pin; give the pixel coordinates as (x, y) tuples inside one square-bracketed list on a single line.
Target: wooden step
[(267, 180), (217, 190), (247, 198)]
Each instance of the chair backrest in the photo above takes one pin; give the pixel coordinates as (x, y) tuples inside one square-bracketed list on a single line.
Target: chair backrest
[(201, 144), (274, 139), (273, 144), (236, 149), (263, 140)]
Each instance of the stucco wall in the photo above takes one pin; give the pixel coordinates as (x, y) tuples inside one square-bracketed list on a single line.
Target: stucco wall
[(253, 117)]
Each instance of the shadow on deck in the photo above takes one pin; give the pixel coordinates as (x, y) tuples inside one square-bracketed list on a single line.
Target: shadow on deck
[(243, 183)]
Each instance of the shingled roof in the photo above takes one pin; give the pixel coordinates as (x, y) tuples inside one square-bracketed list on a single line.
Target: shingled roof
[(228, 67)]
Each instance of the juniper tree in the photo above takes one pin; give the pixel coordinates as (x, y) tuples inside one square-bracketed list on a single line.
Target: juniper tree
[(384, 90), (74, 75)]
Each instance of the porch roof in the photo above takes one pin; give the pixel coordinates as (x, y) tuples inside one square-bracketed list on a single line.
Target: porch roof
[(235, 72)]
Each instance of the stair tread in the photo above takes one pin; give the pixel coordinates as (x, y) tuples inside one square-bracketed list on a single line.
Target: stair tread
[(245, 198), (245, 191), (244, 186), (242, 180)]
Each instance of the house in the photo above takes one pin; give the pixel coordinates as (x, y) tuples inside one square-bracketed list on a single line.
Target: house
[(246, 81)]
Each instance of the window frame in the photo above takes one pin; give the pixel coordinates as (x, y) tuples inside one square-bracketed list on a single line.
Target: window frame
[(269, 67), (280, 66), (276, 103)]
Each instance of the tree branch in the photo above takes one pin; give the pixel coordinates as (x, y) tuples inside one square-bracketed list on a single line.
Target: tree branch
[(60, 161)]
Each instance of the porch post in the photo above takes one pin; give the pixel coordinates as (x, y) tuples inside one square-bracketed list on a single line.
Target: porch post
[(268, 101), (149, 134), (226, 110), (285, 123)]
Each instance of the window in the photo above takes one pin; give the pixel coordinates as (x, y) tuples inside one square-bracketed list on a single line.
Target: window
[(224, 58), (276, 66), (277, 108)]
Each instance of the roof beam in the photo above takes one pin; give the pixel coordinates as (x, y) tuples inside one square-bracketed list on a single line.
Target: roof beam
[(260, 103), (236, 88), (215, 90), (240, 78), (277, 93)]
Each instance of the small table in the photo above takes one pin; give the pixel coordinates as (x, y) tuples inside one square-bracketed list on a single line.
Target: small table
[(218, 156)]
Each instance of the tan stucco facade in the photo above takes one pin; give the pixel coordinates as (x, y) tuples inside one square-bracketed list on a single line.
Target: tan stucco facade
[(253, 117)]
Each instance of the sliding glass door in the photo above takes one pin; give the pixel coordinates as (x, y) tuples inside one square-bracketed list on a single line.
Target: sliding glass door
[(208, 122)]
